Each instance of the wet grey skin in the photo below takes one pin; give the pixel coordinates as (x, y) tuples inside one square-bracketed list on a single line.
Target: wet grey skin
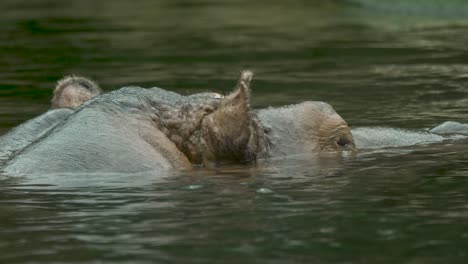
[(69, 93), (135, 129)]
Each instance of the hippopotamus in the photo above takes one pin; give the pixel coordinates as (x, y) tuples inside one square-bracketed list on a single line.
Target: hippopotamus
[(135, 129)]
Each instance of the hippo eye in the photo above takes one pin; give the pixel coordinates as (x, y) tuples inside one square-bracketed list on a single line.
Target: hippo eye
[(343, 142)]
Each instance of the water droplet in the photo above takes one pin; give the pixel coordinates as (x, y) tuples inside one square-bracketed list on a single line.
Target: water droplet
[(327, 230), (194, 187), (264, 190)]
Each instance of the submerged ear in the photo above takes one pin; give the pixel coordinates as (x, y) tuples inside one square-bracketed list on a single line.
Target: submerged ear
[(231, 133), (72, 91)]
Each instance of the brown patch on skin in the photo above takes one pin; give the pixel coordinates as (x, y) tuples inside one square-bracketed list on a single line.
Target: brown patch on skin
[(181, 125), (232, 132), (72, 91), (216, 129)]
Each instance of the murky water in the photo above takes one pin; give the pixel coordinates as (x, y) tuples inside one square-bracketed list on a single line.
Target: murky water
[(394, 66)]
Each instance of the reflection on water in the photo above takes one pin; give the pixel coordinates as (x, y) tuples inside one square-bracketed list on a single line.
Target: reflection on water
[(400, 65)]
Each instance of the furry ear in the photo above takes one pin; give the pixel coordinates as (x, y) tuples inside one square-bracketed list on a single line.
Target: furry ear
[(231, 133), (72, 91), (236, 106)]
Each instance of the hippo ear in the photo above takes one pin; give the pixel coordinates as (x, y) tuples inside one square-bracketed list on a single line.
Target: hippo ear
[(236, 106), (72, 91), (231, 132)]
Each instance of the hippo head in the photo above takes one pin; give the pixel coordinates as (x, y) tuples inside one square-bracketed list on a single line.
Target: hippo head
[(307, 128), (226, 129), (72, 91)]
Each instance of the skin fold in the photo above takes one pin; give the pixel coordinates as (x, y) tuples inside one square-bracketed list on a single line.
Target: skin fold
[(135, 129)]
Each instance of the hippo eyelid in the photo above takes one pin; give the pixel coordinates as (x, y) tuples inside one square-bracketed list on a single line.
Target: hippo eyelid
[(343, 142)]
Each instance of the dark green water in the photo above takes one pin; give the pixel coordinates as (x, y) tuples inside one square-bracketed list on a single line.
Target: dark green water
[(400, 65)]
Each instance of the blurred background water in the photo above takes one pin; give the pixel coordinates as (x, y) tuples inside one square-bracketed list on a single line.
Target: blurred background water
[(397, 64)]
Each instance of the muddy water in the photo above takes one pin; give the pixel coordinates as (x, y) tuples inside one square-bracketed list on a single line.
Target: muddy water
[(393, 71)]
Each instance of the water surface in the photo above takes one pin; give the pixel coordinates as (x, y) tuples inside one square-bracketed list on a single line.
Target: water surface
[(393, 66)]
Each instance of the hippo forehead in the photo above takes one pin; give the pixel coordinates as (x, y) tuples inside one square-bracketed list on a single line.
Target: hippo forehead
[(315, 116), (317, 106)]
